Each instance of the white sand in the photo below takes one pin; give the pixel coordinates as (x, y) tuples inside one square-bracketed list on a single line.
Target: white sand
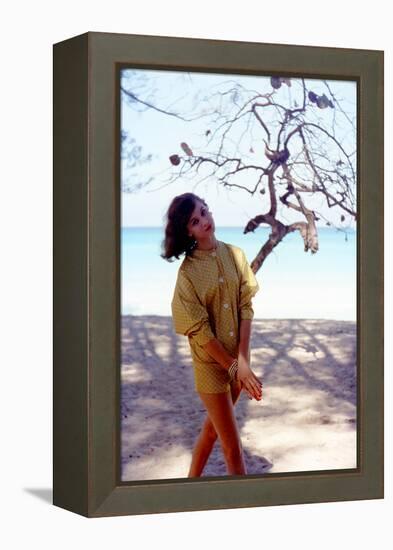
[(306, 420)]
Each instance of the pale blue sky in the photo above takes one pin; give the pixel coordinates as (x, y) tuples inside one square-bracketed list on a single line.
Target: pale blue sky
[(194, 93)]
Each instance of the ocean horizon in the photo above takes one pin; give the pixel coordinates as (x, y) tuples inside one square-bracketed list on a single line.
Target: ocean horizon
[(293, 284)]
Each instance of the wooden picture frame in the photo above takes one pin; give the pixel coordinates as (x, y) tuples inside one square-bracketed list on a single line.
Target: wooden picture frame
[(86, 275)]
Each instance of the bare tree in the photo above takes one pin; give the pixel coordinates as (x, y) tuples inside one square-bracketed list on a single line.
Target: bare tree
[(306, 154)]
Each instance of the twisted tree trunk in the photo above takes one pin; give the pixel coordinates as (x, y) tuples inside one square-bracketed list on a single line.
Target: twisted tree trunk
[(307, 230)]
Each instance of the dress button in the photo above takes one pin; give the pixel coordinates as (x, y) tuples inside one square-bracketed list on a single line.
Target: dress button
[(226, 306), (231, 333), (221, 279)]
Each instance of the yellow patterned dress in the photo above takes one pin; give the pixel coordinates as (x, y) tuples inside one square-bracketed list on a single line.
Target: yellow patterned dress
[(213, 293)]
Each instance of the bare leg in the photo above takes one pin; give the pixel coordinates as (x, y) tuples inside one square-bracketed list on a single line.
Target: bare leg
[(208, 436), (203, 447), (220, 409)]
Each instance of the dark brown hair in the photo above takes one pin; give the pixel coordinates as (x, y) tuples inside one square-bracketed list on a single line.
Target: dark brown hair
[(177, 241)]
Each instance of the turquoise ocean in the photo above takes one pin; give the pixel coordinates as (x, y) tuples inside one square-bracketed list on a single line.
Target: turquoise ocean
[(293, 284)]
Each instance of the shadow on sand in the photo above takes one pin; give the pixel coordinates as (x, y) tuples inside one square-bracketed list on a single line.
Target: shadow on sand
[(310, 365)]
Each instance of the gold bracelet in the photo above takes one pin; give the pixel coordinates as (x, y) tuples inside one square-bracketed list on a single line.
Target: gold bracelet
[(232, 371)]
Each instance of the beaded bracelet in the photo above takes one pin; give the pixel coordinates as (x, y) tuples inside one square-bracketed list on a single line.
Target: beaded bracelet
[(232, 371)]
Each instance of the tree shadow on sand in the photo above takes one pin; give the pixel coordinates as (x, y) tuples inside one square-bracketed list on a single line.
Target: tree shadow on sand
[(309, 375)]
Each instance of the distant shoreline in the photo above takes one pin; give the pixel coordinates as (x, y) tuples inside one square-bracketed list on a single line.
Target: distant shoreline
[(293, 284)]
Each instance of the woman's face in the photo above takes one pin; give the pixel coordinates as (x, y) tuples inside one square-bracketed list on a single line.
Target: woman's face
[(201, 224)]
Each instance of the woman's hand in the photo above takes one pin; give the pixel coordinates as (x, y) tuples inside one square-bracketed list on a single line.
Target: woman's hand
[(249, 381)]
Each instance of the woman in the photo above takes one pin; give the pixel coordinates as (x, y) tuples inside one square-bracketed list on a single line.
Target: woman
[(212, 306)]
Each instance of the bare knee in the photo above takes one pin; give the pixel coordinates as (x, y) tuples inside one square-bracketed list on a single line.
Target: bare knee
[(209, 430), (220, 422), (232, 451)]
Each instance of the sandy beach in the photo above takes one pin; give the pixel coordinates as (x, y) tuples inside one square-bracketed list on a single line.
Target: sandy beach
[(306, 420)]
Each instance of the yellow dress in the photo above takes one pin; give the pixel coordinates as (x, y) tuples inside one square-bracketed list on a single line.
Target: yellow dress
[(213, 293)]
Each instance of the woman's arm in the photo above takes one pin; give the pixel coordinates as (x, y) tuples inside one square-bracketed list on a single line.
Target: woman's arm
[(244, 343), (251, 383), (216, 350), (245, 376)]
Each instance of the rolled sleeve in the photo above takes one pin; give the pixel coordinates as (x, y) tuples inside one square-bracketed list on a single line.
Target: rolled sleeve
[(189, 315), (248, 288)]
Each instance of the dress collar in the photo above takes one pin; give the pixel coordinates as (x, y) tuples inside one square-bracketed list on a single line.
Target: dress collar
[(197, 253)]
